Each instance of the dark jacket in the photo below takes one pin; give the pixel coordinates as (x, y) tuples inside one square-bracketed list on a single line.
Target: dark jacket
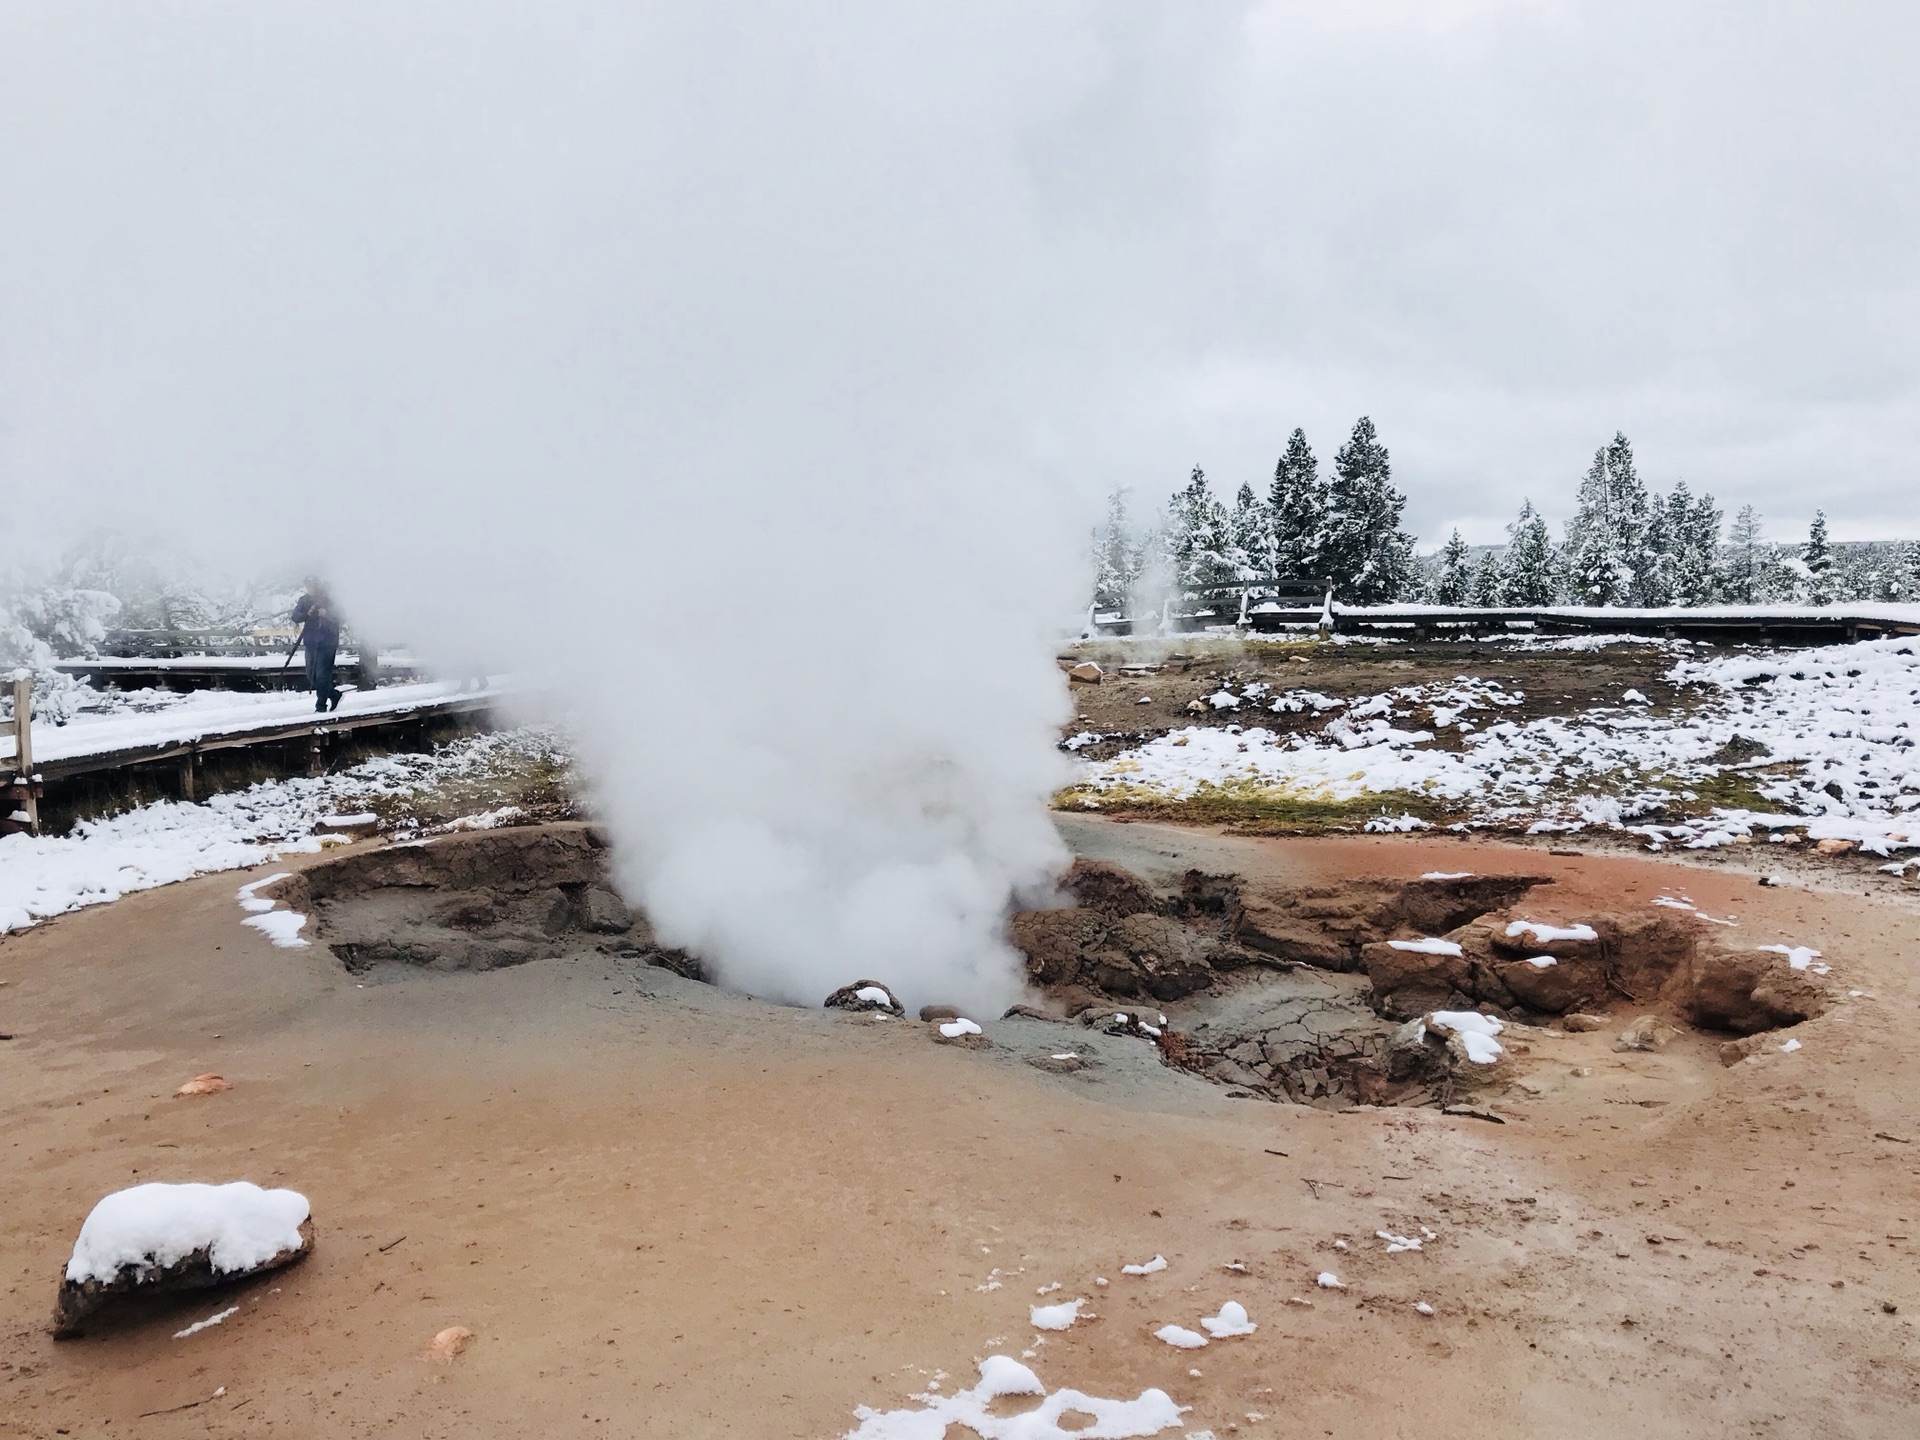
[(320, 627)]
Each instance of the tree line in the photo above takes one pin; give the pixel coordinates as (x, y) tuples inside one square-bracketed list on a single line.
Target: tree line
[(1341, 531)]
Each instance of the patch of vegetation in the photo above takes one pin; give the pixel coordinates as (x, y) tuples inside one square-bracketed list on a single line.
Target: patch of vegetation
[(537, 781), (1255, 809)]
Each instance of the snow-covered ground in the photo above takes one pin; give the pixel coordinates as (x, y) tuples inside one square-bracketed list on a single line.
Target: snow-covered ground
[(120, 720), (1827, 737), (101, 860)]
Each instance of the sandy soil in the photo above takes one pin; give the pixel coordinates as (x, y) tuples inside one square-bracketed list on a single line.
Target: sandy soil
[(665, 1211)]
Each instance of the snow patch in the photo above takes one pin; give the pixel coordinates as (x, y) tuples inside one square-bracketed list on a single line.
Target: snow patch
[(1427, 946), (1151, 1267), (1055, 1317), (1150, 1414), (1547, 934), (240, 1225), (208, 1323), (1180, 1338), (1476, 1032), (1800, 957), (282, 927), (1232, 1320)]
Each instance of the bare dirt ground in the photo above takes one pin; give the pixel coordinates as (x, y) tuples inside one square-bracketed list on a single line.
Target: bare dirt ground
[(667, 1211), (1188, 669)]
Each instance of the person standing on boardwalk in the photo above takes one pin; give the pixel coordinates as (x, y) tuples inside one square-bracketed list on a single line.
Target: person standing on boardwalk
[(320, 634)]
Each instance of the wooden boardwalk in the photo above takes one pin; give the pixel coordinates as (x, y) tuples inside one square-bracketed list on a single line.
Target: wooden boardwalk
[(179, 740)]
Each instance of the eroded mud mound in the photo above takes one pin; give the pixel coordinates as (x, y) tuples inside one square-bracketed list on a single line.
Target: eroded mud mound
[(476, 902), (1326, 995)]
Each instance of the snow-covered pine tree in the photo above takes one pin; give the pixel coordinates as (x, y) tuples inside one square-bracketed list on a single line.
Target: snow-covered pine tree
[(1527, 571), (1116, 556), (1908, 571), (1454, 583), (1691, 534), (1366, 557), (1655, 562), (1487, 590), (1298, 502), (1817, 556), (1743, 561), (1251, 528), (1605, 550), (1198, 544)]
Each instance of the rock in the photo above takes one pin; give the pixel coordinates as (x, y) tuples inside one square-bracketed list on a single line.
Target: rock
[(1580, 1023), (1649, 1032), (604, 912), (1086, 673), (1025, 1012), (1416, 1053), (1835, 846), (930, 1013), (135, 1288), (849, 997), (962, 1032), (208, 1084), (357, 826), (1064, 1063), (448, 1343)]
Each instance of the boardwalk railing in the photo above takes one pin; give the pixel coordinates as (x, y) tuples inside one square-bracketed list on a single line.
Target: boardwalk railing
[(1760, 624)]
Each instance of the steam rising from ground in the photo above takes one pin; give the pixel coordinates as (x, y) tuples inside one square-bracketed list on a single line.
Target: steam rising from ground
[(684, 365)]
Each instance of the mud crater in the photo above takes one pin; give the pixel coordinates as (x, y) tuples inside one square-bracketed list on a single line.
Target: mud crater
[(477, 902)]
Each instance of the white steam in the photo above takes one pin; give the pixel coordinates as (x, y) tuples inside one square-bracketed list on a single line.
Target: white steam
[(686, 365)]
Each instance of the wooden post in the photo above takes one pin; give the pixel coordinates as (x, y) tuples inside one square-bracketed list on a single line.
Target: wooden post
[(22, 800)]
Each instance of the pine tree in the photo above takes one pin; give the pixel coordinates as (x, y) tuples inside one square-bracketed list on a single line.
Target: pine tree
[(1907, 571), (1455, 581), (1527, 574), (1251, 529), (1817, 556), (1365, 555), (1117, 557), (1487, 588), (1695, 527), (1298, 503), (1605, 549), (1656, 560), (1744, 561), (1199, 547)]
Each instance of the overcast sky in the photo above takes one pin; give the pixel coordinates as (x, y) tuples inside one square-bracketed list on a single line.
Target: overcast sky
[(246, 249)]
